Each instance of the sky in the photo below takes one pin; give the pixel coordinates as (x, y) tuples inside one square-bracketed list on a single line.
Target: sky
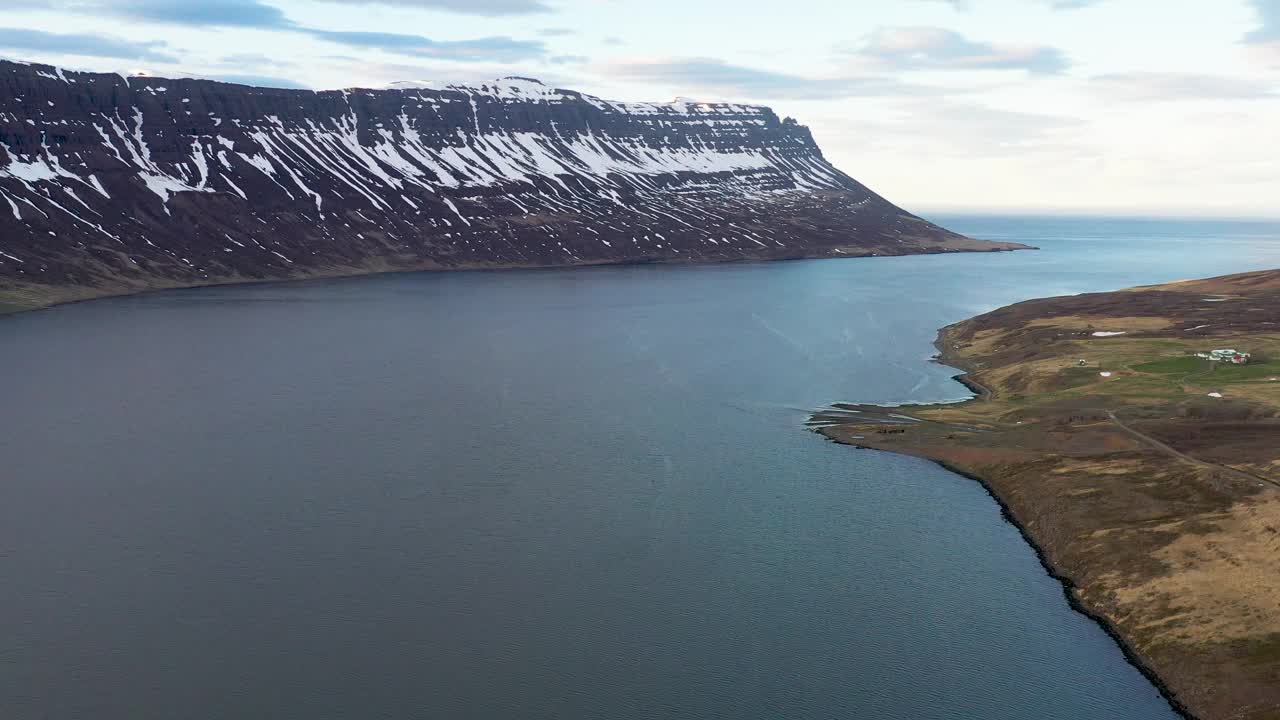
[(1134, 107)]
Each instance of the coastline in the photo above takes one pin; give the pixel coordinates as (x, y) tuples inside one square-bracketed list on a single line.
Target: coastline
[(28, 297), (1161, 527), (1068, 585)]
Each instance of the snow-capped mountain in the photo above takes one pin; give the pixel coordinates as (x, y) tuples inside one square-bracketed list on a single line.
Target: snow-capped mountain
[(110, 184)]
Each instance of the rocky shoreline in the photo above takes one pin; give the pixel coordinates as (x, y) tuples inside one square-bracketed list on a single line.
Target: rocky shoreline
[(1162, 535), (1068, 585)]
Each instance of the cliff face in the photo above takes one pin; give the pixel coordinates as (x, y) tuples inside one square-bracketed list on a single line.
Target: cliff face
[(112, 184)]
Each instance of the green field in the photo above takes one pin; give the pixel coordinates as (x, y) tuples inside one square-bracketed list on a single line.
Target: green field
[(1240, 373), (1220, 372), (1171, 366)]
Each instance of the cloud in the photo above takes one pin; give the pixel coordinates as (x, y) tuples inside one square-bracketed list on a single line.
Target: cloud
[(1171, 86), (738, 81), (965, 129), (931, 48), (84, 44), (256, 14), (557, 32), (486, 8), (498, 49), (1269, 16), (963, 5), (205, 13), (242, 59)]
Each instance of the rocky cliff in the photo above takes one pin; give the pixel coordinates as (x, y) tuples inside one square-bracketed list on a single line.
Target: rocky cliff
[(111, 184)]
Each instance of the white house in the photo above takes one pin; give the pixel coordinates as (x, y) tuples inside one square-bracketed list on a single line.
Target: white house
[(1228, 355)]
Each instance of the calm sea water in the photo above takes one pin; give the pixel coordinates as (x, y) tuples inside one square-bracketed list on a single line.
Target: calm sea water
[(559, 494)]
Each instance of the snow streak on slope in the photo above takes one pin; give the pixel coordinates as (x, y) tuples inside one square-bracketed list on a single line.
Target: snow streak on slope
[(144, 181)]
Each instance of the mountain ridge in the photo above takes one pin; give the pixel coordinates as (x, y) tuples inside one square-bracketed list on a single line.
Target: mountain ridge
[(113, 184)]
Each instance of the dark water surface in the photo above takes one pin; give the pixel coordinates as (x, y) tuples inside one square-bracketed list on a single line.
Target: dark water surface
[(559, 494)]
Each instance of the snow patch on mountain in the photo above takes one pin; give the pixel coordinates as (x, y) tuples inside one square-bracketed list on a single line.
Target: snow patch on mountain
[(147, 181)]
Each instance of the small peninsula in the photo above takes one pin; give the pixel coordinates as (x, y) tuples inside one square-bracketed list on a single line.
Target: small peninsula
[(1142, 465)]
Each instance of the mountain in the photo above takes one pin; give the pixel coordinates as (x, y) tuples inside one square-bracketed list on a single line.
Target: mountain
[(112, 184)]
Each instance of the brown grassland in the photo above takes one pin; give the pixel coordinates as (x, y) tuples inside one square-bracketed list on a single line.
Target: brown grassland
[(1147, 478)]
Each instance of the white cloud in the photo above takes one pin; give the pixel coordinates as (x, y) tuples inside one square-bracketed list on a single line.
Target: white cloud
[(1268, 30), (933, 48), (1173, 87), (488, 8), (725, 80)]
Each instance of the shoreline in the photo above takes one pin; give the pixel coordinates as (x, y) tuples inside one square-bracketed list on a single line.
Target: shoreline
[(1068, 590), (1145, 483), (1065, 582), (57, 295)]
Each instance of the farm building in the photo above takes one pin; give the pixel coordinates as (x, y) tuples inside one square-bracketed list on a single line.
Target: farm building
[(1227, 355)]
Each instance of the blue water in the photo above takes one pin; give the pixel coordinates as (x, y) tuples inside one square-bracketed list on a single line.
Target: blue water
[(551, 494)]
